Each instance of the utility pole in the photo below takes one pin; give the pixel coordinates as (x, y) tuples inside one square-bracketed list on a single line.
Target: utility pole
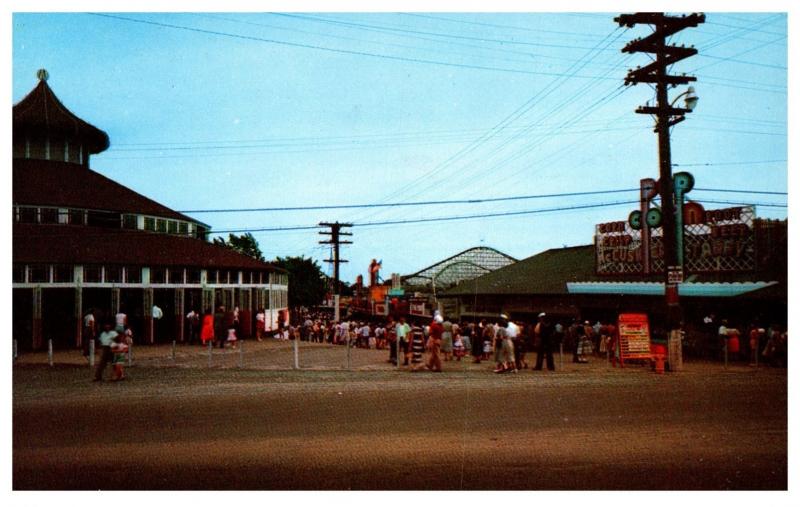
[(335, 233), (666, 116)]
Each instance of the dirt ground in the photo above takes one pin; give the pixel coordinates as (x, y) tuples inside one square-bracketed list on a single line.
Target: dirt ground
[(177, 425)]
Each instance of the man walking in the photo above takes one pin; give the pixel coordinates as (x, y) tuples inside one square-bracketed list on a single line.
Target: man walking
[(544, 337)]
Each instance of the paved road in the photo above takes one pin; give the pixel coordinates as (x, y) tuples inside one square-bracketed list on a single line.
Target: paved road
[(587, 427)]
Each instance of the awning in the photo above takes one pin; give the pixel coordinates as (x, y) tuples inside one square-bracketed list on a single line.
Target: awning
[(709, 289)]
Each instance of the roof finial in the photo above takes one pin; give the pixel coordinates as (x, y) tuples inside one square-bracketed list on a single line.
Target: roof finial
[(42, 74)]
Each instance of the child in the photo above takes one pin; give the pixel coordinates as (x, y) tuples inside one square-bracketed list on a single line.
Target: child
[(119, 347), (232, 337), (458, 347)]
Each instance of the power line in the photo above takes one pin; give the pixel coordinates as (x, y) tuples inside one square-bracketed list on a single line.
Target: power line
[(417, 203), (751, 162), (493, 215), (435, 34), (760, 192), (507, 121), (762, 204), (439, 219), (333, 50), (404, 46), (493, 25)]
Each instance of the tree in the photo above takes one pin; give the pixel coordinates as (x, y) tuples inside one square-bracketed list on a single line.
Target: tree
[(307, 282), (245, 244)]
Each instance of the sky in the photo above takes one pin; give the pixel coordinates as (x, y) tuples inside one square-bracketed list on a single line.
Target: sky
[(223, 110)]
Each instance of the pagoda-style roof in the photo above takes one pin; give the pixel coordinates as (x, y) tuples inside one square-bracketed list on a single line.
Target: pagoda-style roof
[(49, 183), (40, 114), (59, 244)]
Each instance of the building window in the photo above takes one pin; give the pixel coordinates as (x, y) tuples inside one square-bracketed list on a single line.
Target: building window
[(48, 215), (172, 227), (92, 274), (161, 225), (77, 217), (192, 276), (27, 215), (63, 274), (38, 274), (129, 221), (149, 224), (202, 233), (183, 228), (176, 275), (113, 274), (63, 216), (103, 219), (158, 275), (19, 274), (133, 275)]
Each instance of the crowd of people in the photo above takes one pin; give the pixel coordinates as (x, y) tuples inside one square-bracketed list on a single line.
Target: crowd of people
[(505, 343), (420, 344)]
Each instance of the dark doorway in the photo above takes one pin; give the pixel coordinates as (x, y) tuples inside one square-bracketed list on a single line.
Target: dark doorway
[(22, 323), (58, 317)]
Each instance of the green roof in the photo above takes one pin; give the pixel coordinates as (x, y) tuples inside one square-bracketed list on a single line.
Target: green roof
[(548, 273)]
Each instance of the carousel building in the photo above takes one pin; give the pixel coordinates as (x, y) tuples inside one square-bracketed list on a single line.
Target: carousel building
[(83, 242)]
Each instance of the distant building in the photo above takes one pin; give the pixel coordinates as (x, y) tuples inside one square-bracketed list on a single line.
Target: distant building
[(735, 267), (82, 241)]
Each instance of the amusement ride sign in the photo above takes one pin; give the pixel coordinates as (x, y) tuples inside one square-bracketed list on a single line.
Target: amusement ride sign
[(713, 241)]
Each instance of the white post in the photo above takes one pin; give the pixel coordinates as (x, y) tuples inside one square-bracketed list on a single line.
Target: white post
[(91, 353), (336, 307), (241, 355), (758, 348), (348, 350), (295, 346), (50, 352), (725, 349)]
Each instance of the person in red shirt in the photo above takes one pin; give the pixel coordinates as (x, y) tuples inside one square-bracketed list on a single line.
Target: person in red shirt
[(434, 344)]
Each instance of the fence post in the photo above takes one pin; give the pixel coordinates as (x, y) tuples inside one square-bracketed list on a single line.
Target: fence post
[(241, 355), (173, 351), (758, 350), (295, 346), (50, 352), (348, 350), (210, 345), (725, 351), (91, 353)]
